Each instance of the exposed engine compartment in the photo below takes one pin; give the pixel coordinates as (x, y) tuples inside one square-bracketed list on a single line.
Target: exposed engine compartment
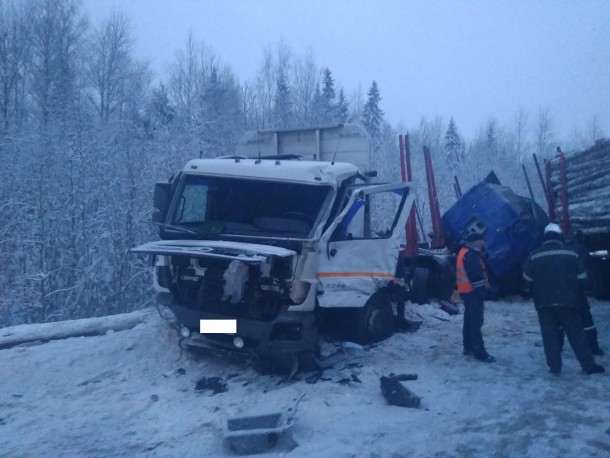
[(228, 288)]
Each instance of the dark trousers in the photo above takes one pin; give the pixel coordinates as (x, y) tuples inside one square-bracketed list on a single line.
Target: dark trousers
[(551, 320), (587, 323), (474, 310)]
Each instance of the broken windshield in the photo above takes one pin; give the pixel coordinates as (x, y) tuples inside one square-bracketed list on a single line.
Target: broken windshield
[(211, 205)]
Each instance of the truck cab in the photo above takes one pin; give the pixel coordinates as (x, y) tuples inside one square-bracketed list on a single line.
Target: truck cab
[(272, 242)]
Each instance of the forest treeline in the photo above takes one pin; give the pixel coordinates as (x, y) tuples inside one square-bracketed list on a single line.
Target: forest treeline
[(86, 129)]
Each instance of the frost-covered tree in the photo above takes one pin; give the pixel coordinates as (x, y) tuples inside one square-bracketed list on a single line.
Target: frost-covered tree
[(519, 132), (342, 108), (209, 104), (495, 149), (594, 130), (356, 105), (372, 115), (15, 49), (185, 81), (481, 156), (543, 133), (283, 103), (454, 147), (327, 100), (304, 85), (221, 120), (491, 137), (58, 28), (109, 65), (160, 109), (316, 113), (265, 88)]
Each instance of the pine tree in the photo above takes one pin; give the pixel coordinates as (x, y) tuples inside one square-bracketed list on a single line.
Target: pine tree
[(316, 115), (160, 111), (328, 97), (491, 137), (372, 115), (454, 147), (220, 115), (342, 108), (283, 105)]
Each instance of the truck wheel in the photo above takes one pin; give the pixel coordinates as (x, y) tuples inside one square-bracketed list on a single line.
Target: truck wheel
[(308, 362), (375, 321), (419, 286)]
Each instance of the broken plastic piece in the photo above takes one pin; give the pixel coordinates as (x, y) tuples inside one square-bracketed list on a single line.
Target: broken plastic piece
[(397, 394)]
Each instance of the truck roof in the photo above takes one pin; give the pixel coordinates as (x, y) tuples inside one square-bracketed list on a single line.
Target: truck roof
[(314, 172), (348, 143)]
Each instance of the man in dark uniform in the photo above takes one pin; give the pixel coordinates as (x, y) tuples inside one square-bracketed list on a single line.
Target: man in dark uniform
[(473, 286), (555, 275)]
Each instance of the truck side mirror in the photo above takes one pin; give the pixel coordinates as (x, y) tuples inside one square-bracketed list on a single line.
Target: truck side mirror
[(161, 201)]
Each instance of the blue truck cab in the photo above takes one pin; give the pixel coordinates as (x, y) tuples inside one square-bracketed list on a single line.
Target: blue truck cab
[(512, 226)]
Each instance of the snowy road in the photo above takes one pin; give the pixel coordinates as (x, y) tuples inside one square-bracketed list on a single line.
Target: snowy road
[(122, 394)]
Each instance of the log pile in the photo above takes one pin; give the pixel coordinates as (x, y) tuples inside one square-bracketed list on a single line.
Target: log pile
[(588, 185)]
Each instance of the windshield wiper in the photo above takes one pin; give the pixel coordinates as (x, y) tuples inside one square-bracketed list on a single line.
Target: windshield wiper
[(176, 228)]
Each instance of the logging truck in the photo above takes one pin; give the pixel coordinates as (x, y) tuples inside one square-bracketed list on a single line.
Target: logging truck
[(577, 189), (511, 225)]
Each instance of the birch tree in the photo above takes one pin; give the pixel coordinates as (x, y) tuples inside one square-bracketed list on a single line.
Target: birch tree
[(520, 134), (304, 87), (109, 65), (543, 132), (15, 48)]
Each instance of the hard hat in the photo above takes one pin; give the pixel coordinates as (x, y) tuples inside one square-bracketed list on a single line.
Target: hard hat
[(552, 227)]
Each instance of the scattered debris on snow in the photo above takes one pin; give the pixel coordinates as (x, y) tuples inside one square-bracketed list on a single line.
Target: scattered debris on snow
[(132, 393)]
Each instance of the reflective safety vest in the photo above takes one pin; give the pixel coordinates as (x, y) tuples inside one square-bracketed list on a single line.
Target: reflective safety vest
[(463, 283)]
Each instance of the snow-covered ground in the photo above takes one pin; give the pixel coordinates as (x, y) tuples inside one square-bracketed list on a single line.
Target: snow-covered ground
[(132, 393)]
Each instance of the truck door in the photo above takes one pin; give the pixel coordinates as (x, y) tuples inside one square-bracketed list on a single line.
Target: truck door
[(359, 251)]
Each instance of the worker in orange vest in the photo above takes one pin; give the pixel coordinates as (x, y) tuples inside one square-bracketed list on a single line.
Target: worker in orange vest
[(473, 286)]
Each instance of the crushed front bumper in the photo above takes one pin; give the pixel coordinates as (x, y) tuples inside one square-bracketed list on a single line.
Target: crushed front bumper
[(289, 333)]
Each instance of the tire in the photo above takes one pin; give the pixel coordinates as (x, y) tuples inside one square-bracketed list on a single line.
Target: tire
[(419, 286), (375, 321), (307, 362)]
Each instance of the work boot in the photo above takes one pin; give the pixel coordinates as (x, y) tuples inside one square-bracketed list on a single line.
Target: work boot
[(595, 369), (598, 352), (556, 373), (485, 357), (467, 352)]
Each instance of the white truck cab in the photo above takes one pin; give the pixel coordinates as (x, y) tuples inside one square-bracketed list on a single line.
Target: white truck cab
[(272, 242)]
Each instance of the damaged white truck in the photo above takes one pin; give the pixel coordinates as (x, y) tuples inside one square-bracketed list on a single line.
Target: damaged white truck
[(287, 232)]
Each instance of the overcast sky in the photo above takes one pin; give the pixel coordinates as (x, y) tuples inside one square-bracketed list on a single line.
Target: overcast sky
[(467, 59)]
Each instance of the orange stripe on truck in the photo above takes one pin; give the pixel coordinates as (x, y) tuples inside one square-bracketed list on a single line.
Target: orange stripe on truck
[(355, 274)]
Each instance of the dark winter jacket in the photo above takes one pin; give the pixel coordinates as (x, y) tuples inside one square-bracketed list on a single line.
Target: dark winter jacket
[(556, 275)]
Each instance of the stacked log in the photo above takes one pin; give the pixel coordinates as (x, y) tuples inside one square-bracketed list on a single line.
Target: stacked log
[(588, 186)]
